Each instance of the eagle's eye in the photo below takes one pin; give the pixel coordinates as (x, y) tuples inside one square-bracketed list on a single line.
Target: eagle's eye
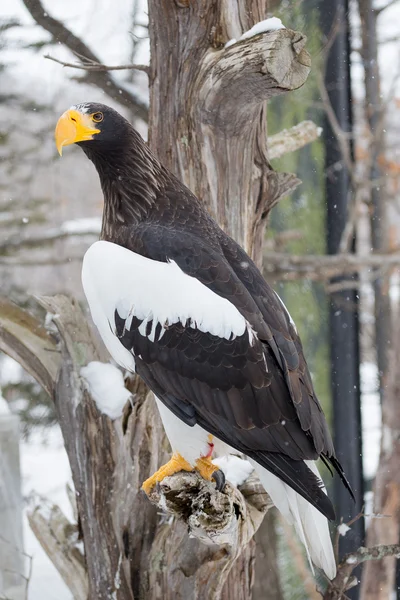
[(97, 117)]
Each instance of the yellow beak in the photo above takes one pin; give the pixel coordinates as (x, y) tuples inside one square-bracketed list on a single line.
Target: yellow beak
[(72, 127)]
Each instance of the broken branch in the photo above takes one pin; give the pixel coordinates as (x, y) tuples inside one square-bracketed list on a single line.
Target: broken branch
[(290, 140), (93, 66)]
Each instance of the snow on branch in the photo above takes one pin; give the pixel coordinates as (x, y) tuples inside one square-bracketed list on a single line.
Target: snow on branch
[(240, 77)]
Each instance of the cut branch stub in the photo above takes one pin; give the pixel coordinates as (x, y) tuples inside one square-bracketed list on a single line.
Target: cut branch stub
[(228, 518), (242, 76)]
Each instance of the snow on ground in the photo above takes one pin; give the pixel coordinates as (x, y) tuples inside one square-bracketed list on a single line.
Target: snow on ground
[(370, 417), (45, 472)]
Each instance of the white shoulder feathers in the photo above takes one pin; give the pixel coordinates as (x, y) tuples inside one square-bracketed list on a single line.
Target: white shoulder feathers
[(114, 278)]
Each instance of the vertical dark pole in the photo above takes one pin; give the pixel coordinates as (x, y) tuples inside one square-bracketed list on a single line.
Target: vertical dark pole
[(344, 331)]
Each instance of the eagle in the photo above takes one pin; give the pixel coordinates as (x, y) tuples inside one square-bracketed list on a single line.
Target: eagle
[(180, 303)]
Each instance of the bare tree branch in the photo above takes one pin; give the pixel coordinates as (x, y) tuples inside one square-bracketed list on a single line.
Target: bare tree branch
[(91, 66), (59, 539), (50, 236), (290, 140), (101, 79), (343, 581), (323, 267)]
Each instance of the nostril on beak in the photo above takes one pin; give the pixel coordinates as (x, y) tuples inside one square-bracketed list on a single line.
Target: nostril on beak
[(73, 119)]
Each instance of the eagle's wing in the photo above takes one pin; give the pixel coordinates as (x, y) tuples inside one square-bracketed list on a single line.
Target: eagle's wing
[(197, 351)]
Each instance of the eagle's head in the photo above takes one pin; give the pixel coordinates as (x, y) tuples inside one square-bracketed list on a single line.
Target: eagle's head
[(91, 124)]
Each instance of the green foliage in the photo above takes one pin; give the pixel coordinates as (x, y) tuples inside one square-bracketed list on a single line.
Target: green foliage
[(304, 210)]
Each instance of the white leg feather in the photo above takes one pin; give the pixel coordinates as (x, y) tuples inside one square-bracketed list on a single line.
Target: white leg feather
[(311, 526)]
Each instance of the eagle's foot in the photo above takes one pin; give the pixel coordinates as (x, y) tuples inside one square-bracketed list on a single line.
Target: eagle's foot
[(176, 464), (209, 471)]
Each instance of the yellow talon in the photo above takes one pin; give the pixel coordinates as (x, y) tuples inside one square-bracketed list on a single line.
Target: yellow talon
[(176, 464), (206, 467)]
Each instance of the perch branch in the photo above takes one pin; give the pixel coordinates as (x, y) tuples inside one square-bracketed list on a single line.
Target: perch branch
[(290, 140), (92, 66), (229, 518), (59, 538), (342, 582), (102, 79)]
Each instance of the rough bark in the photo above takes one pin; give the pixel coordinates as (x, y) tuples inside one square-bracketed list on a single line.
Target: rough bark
[(212, 132), (130, 550), (378, 196)]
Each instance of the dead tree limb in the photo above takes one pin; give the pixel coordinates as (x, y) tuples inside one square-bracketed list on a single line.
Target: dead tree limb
[(290, 140), (102, 79), (343, 581), (281, 265), (92, 66), (59, 539)]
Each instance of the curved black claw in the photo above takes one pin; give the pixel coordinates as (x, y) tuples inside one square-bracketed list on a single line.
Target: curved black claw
[(219, 478)]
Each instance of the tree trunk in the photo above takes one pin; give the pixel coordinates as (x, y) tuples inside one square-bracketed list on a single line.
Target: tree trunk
[(208, 125), (212, 134), (378, 206)]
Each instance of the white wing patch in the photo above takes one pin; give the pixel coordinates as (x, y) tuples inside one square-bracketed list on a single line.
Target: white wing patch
[(115, 278)]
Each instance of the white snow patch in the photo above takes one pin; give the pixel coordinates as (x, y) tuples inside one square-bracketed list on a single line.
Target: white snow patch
[(272, 24), (343, 529), (45, 473), (106, 385), (236, 469), (231, 42)]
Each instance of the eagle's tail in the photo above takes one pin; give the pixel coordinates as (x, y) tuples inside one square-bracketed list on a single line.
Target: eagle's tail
[(311, 526)]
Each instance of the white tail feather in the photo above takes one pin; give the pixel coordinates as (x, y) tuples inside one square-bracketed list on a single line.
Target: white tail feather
[(310, 525)]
